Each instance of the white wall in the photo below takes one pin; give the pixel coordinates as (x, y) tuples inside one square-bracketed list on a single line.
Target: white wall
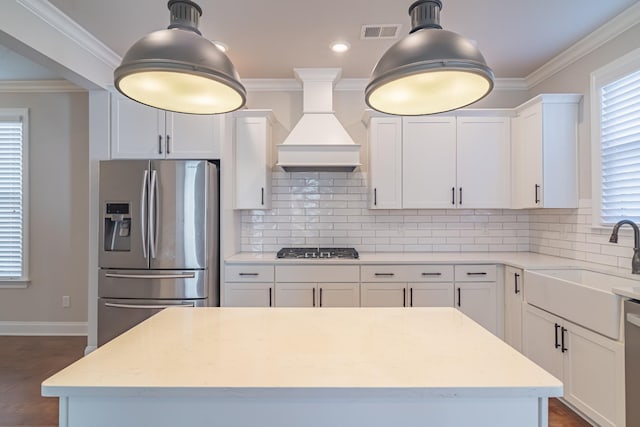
[(58, 177)]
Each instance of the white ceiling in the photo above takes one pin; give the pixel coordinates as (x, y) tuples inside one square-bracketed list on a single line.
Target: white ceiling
[(267, 39)]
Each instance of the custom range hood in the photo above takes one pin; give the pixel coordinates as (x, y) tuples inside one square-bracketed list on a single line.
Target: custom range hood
[(318, 142)]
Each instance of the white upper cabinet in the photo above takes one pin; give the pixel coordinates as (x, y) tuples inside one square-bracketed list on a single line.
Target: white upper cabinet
[(544, 152), (253, 160), (142, 132), (440, 162), (429, 162), (385, 163), (456, 162), (483, 162)]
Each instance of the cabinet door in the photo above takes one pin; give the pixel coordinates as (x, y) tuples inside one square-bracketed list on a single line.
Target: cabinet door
[(429, 162), (296, 295), (432, 294), (541, 339), (137, 131), (338, 295), (248, 294), (594, 375), (513, 307), (483, 168), (527, 159), (192, 136), (253, 163), (478, 301), (383, 294), (385, 163)]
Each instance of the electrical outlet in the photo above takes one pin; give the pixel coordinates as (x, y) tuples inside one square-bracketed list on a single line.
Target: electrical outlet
[(66, 301)]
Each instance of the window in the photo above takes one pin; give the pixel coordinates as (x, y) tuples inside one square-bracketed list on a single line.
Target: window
[(615, 134), (13, 195)]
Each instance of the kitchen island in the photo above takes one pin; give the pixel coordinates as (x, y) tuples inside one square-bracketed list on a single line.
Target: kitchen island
[(304, 367)]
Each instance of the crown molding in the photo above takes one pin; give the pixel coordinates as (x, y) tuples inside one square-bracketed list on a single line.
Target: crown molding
[(602, 35), (38, 86), (61, 22), (351, 84)]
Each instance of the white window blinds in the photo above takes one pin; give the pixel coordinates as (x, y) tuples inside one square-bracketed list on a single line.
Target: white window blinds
[(11, 198), (620, 142)]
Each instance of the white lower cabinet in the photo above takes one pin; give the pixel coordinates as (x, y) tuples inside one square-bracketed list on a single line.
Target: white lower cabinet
[(590, 365), (513, 298), (248, 285), (476, 295), (406, 286), (317, 286)]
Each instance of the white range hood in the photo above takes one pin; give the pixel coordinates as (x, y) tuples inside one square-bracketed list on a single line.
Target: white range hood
[(318, 142)]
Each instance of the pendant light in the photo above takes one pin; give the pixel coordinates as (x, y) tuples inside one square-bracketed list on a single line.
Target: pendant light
[(179, 70), (429, 71)]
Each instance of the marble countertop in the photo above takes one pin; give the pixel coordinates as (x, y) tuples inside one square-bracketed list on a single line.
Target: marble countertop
[(435, 352), (524, 260)]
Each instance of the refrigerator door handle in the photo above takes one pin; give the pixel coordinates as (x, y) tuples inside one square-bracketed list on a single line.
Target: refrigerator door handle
[(143, 212), (151, 276), (153, 223), (156, 306)]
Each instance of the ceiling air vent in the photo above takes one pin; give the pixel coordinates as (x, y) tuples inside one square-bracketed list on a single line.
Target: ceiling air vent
[(385, 31)]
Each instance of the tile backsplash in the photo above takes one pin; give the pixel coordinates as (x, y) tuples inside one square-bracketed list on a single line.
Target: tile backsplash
[(330, 209)]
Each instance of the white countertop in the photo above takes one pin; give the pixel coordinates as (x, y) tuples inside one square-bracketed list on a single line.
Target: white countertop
[(435, 352), (524, 260)]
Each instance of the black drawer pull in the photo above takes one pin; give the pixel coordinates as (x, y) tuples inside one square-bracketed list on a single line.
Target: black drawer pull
[(248, 274), (432, 274), (479, 273), (385, 274), (459, 297), (515, 279), (404, 297), (564, 349), (270, 297), (556, 334)]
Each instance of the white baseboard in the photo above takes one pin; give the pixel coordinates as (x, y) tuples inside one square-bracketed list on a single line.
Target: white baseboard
[(43, 328)]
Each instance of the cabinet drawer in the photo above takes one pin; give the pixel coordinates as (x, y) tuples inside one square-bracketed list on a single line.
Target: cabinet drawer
[(406, 273), (248, 273), (317, 273), (475, 273)]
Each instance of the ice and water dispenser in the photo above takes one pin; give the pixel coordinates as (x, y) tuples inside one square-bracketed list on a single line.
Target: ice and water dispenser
[(117, 226)]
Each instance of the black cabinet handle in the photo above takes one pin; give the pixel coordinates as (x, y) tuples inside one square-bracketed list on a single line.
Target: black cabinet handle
[(537, 187), (375, 197), (477, 273), (564, 349), (459, 298), (248, 274), (515, 280), (168, 144), (453, 195), (404, 297), (262, 196), (159, 144), (270, 297), (314, 296), (432, 274), (460, 198), (411, 297), (385, 274), (557, 327)]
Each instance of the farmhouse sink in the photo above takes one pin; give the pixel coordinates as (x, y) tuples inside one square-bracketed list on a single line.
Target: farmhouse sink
[(582, 296)]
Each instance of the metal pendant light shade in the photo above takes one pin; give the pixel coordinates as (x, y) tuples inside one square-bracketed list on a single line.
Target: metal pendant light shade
[(179, 70), (429, 71)]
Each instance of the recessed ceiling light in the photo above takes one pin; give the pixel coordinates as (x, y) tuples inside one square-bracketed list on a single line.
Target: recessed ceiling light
[(223, 47), (340, 47)]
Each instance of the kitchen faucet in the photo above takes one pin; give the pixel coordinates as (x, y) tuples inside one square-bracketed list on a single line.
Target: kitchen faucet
[(635, 261)]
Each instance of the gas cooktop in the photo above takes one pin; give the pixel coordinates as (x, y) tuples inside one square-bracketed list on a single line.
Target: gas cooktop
[(312, 253)]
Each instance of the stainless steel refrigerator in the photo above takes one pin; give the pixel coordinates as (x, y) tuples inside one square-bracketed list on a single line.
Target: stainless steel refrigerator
[(159, 243)]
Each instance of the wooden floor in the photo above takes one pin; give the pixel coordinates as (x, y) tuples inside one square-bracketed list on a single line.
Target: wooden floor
[(26, 361)]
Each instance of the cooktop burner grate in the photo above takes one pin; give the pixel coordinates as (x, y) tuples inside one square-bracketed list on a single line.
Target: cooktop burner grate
[(313, 253)]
